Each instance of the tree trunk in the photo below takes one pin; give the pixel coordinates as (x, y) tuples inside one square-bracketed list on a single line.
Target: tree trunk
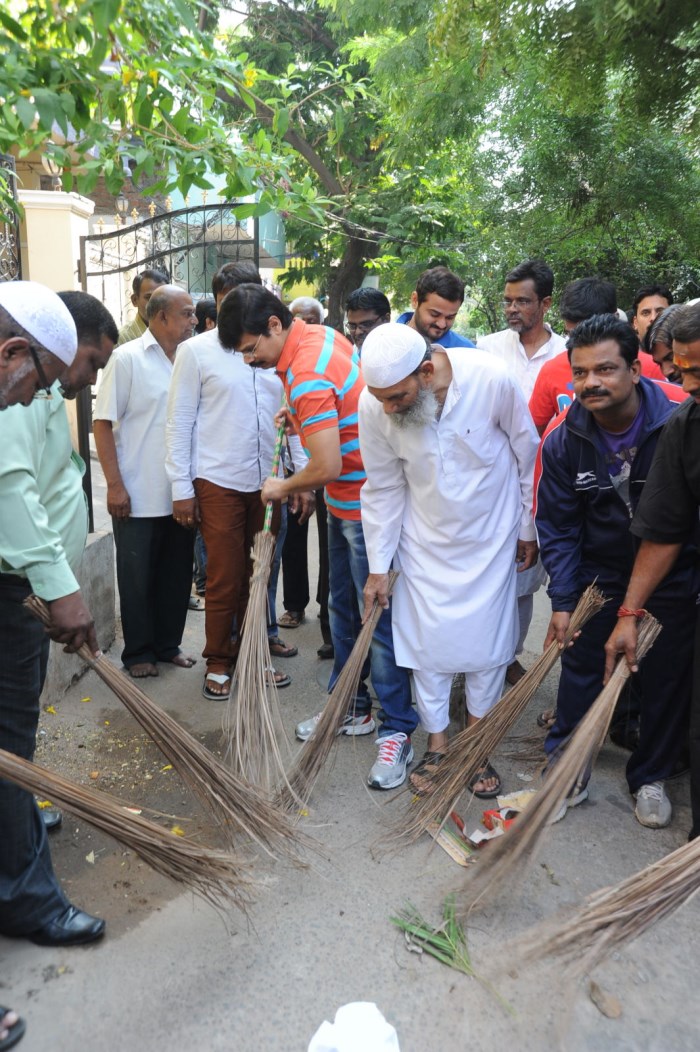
[(347, 277)]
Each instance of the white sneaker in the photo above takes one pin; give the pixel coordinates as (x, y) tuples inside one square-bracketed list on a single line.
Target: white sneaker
[(653, 806), (351, 725), (571, 801), (389, 770)]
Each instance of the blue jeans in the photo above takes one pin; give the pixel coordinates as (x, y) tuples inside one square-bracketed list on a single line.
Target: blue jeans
[(200, 563), (349, 569), (272, 626)]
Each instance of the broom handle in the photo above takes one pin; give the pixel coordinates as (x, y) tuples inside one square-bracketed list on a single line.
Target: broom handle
[(267, 525)]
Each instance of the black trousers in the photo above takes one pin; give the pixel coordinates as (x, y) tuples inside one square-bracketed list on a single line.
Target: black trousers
[(154, 575), (30, 895), (663, 685), (695, 736), (295, 565)]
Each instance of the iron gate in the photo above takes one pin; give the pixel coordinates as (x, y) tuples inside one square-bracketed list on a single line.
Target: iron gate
[(189, 244), (10, 257)]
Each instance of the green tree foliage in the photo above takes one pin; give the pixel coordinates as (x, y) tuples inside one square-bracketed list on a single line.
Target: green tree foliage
[(473, 133), (563, 131), (95, 81)]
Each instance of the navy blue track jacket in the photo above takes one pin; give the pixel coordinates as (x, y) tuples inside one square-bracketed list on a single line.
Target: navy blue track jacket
[(583, 525)]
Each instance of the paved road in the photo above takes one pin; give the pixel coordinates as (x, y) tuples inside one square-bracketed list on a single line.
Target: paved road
[(172, 973)]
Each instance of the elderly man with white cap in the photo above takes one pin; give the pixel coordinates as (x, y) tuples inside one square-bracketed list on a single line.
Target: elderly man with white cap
[(43, 526), (449, 450)]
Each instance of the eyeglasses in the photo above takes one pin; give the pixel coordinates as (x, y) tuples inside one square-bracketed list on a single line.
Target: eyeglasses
[(362, 327), (43, 382), (251, 354), (520, 301)]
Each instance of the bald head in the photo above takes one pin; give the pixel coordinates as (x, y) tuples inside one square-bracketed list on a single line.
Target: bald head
[(171, 317)]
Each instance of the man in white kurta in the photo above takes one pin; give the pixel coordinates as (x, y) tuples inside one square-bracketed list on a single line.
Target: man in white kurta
[(449, 450)]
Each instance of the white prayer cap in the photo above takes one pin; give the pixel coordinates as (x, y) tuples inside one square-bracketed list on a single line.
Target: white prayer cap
[(390, 353), (43, 315)]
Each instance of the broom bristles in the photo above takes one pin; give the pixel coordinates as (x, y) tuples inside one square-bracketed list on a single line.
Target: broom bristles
[(251, 721), (316, 750), (235, 806), (469, 750), (616, 915), (219, 877), (508, 857)]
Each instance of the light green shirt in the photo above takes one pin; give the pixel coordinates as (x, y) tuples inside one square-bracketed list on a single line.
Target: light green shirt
[(132, 330), (43, 512)]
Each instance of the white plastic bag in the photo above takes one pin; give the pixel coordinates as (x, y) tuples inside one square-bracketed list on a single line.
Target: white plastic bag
[(358, 1027)]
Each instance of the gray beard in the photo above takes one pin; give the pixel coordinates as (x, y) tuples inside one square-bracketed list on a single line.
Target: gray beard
[(423, 411)]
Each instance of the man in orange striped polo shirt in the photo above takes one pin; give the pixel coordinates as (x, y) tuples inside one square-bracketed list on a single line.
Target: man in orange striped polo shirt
[(323, 383)]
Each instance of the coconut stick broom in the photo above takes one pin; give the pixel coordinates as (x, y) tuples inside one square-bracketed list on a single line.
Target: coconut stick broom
[(508, 856), (613, 916), (315, 751), (236, 806), (251, 722), (469, 750), (217, 876)]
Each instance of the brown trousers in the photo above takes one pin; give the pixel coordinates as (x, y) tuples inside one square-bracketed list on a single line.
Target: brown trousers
[(229, 522)]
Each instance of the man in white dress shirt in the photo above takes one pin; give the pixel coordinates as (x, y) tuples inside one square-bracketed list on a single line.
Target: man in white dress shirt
[(154, 553), (525, 345), (220, 439), (449, 450)]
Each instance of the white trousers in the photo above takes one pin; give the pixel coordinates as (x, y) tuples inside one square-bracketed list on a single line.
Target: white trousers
[(483, 690)]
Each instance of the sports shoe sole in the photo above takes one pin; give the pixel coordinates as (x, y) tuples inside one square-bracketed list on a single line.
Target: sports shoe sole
[(354, 731), (571, 801), (654, 821)]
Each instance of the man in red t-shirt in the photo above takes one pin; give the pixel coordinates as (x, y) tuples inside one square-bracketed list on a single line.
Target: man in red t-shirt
[(553, 390), (323, 383)]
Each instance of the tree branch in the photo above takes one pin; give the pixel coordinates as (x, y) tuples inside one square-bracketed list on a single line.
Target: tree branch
[(265, 114)]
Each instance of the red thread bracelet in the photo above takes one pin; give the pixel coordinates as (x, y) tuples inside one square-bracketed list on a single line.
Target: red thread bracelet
[(624, 612)]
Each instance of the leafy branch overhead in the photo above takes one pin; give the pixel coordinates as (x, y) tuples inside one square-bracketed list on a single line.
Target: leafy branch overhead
[(390, 137), (118, 85)]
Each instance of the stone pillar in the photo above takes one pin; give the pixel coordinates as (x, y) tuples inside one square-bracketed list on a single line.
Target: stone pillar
[(53, 224)]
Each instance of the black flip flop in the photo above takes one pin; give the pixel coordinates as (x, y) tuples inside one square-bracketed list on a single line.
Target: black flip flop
[(278, 648), (14, 1033), (487, 772), (426, 769)]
